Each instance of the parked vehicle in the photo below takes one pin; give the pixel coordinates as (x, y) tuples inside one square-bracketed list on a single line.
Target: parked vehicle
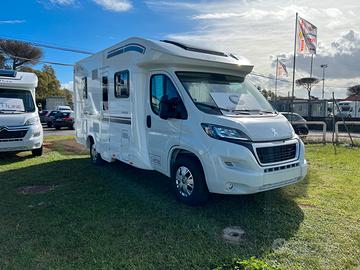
[(20, 127), (298, 123), (42, 115), (49, 118), (349, 109), (187, 112), (64, 119)]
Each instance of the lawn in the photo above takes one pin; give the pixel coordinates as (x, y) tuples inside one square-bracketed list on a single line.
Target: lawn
[(118, 217)]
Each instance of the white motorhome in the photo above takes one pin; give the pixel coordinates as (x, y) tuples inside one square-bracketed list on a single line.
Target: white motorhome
[(187, 112), (20, 128)]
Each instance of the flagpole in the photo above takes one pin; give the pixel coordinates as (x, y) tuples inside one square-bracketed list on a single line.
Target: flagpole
[(276, 79), (294, 65)]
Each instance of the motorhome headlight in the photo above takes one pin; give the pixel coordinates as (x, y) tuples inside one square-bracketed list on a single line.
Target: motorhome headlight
[(224, 133), (32, 121)]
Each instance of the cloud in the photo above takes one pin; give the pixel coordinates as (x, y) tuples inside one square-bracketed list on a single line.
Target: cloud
[(68, 85), (62, 2), (259, 29), (115, 5), (12, 21)]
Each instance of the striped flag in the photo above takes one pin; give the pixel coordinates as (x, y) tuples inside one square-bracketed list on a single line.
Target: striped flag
[(307, 37)]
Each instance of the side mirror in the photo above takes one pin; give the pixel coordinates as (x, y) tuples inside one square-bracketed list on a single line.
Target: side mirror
[(172, 108)]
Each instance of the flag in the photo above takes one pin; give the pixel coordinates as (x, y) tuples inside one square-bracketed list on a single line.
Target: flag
[(281, 69), (307, 37)]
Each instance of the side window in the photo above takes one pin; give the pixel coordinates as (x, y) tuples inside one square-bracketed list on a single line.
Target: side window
[(84, 87), (105, 95), (121, 83), (161, 85)]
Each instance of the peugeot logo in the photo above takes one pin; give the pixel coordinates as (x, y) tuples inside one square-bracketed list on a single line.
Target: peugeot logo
[(274, 132)]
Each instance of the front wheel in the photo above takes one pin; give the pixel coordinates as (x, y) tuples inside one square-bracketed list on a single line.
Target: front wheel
[(37, 152), (95, 157), (188, 181)]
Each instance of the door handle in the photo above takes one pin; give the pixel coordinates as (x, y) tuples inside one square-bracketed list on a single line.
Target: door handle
[(148, 121)]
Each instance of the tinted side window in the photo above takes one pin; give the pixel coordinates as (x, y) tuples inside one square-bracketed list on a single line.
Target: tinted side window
[(105, 96), (84, 87), (121, 83), (161, 85)]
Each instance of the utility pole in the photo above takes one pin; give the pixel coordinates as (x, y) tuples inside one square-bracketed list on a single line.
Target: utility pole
[(324, 66)]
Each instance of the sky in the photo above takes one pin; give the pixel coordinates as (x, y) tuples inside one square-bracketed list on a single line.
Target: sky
[(257, 29)]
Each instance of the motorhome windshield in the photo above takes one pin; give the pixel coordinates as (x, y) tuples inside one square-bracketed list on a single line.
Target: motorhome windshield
[(224, 94), (16, 101)]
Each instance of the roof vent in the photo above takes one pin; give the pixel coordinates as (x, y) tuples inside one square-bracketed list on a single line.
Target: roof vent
[(7, 73), (194, 49)]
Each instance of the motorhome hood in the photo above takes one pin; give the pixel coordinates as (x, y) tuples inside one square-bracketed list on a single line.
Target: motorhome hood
[(12, 119), (269, 128)]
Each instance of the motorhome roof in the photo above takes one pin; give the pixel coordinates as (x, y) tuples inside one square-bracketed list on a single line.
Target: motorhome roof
[(173, 53), (17, 80)]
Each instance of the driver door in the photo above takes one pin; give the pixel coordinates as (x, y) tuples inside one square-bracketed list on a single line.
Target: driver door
[(162, 134)]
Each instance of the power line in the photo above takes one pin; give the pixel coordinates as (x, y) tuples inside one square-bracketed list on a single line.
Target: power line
[(39, 44), (40, 61), (257, 74)]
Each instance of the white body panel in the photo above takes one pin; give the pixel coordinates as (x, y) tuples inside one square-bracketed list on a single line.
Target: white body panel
[(122, 132), (28, 136), (349, 109)]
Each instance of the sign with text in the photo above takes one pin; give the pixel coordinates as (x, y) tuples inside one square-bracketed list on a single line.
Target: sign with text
[(11, 104)]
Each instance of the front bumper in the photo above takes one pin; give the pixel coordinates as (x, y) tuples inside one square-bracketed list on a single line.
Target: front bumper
[(32, 140), (234, 169)]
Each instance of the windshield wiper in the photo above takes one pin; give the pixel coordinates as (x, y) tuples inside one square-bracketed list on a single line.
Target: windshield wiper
[(254, 110), (221, 109), (211, 106)]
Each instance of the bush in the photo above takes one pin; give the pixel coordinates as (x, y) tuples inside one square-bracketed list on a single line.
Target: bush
[(247, 264)]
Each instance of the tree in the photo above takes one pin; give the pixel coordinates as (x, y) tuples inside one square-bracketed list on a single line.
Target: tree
[(19, 53), (354, 90), (2, 61), (307, 83)]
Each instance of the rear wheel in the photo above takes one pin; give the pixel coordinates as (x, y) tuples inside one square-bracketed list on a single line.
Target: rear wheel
[(37, 152), (49, 124), (95, 157), (57, 127), (188, 181)]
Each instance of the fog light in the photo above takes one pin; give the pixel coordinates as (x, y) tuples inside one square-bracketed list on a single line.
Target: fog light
[(37, 134), (229, 186)]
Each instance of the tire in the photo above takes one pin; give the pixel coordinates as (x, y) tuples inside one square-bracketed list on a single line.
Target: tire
[(95, 157), (57, 127), (49, 124), (191, 192), (37, 152)]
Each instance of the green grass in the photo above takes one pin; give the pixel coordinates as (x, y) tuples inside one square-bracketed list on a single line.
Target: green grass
[(118, 217)]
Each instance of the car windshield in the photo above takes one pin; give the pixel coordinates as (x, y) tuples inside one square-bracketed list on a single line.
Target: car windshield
[(16, 101), (224, 94)]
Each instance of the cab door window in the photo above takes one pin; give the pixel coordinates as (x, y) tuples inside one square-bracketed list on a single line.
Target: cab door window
[(161, 85)]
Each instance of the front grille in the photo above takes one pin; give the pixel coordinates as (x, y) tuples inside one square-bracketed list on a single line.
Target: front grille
[(12, 134), (275, 154)]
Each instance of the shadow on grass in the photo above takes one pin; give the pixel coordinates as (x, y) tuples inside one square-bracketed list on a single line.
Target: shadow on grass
[(14, 157), (121, 217)]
